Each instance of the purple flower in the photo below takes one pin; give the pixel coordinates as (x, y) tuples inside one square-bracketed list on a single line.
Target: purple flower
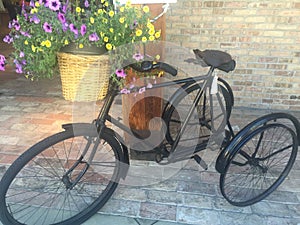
[(94, 37), (35, 19), (19, 68), (47, 27), (83, 29), (22, 54), (31, 4), (142, 90), (86, 3), (2, 66), (2, 58), (54, 5), (134, 25), (125, 91), (44, 2), (2, 62), (65, 7), (16, 24), (138, 56), (26, 34), (73, 29), (121, 73), (61, 17), (8, 39), (65, 27)]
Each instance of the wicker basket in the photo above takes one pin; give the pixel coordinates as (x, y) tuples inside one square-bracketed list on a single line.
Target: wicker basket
[(84, 78)]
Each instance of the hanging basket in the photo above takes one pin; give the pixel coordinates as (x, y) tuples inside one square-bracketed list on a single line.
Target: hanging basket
[(84, 77)]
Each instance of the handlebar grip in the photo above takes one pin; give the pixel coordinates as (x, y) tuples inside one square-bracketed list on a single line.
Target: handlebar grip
[(148, 65), (167, 68)]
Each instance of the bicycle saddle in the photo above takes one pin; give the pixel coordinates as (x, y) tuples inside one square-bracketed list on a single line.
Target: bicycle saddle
[(216, 58)]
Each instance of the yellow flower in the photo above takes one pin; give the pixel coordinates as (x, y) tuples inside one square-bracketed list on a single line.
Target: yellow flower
[(111, 30), (100, 11), (92, 20), (138, 32), (105, 20), (106, 4), (150, 25), (34, 10), (105, 39), (48, 43), (78, 9), (108, 46), (151, 38), (122, 9), (151, 32), (157, 34), (80, 45), (157, 57), (37, 4), (66, 42), (33, 48), (111, 13), (146, 9), (26, 42), (122, 19), (144, 39), (128, 4)]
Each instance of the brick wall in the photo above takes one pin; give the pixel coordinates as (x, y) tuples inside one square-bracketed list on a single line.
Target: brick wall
[(262, 36)]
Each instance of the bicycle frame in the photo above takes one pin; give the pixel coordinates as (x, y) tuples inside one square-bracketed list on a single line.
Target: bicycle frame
[(185, 82)]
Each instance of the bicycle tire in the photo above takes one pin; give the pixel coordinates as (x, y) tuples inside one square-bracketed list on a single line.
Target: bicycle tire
[(38, 188), (251, 174), (201, 125)]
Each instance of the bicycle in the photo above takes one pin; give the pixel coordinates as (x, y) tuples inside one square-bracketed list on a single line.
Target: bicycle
[(67, 177)]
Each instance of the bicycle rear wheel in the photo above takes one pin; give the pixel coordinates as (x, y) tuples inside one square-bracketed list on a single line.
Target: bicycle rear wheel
[(260, 163), (201, 124), (53, 182)]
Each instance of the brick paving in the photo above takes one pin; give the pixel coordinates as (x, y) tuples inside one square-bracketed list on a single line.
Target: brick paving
[(32, 111)]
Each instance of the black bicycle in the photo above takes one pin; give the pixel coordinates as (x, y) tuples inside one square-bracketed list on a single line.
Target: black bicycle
[(66, 178)]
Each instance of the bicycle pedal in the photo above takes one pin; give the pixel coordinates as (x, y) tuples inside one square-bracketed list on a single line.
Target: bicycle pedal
[(200, 161)]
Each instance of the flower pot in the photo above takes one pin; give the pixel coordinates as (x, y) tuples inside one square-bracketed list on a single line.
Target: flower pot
[(84, 73)]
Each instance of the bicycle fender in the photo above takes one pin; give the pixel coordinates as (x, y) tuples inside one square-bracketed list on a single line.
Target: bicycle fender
[(124, 158), (230, 150)]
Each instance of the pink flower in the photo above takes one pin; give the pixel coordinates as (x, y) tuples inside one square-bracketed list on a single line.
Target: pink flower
[(125, 91), (2, 62), (138, 56), (47, 27), (149, 85), (121, 73), (142, 90)]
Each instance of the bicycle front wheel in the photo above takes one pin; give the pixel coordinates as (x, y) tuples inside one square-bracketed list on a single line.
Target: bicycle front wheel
[(54, 182), (261, 162)]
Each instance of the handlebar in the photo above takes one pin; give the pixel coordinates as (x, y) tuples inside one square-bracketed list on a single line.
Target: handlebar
[(147, 66)]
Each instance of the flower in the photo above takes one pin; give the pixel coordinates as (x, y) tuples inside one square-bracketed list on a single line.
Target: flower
[(46, 26), (2, 62), (120, 73)]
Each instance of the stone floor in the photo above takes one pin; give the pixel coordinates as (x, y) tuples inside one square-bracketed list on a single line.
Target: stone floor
[(31, 111)]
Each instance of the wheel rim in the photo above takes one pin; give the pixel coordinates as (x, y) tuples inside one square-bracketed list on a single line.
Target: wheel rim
[(263, 161), (41, 192)]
